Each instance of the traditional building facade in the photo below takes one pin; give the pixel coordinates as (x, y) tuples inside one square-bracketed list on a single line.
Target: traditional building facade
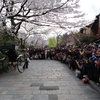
[(86, 29), (93, 28)]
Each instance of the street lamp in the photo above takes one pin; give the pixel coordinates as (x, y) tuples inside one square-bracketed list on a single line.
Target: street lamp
[(58, 39), (21, 42)]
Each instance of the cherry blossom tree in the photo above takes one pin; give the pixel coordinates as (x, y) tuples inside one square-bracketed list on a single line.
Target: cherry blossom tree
[(48, 13), (39, 12)]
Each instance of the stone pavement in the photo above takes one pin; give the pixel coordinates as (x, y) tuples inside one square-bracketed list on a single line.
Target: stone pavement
[(45, 80)]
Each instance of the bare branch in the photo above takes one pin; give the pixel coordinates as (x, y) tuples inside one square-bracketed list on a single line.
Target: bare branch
[(22, 6), (2, 8), (34, 15), (3, 2)]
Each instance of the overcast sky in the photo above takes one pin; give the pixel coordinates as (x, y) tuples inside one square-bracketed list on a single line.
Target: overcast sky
[(90, 7)]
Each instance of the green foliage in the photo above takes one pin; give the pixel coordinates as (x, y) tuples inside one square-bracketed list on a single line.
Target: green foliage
[(84, 38), (1, 55), (52, 42), (59, 40), (5, 37), (31, 46), (22, 46), (64, 39), (87, 38)]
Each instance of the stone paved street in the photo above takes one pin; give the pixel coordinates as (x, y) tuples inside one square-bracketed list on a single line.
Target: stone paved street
[(45, 80)]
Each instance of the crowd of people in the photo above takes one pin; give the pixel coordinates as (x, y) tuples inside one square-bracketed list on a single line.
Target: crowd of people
[(83, 59)]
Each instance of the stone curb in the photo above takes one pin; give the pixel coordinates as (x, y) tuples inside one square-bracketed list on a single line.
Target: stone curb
[(95, 86)]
